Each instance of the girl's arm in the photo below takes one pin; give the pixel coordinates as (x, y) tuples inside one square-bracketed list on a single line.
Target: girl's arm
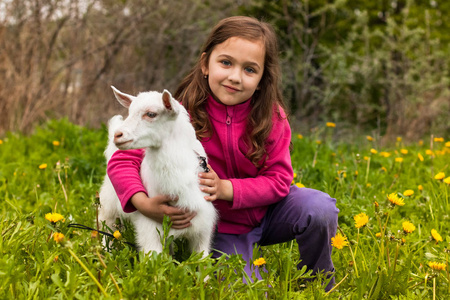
[(124, 172)]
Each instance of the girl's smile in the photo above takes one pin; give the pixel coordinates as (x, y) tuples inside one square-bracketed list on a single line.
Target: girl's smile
[(235, 69)]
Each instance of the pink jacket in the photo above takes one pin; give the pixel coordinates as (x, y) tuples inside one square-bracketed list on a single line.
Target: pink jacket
[(254, 188)]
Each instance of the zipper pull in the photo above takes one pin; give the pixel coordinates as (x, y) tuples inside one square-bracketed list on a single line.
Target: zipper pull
[(228, 120)]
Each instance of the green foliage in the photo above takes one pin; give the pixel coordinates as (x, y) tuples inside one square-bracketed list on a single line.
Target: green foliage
[(380, 262)]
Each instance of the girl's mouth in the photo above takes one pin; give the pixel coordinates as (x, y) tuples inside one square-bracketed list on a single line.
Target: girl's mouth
[(230, 89)]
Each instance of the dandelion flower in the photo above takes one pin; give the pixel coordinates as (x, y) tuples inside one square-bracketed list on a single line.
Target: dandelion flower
[(259, 262), (384, 169), (385, 154), (56, 143), (408, 193), (54, 217), (437, 266), (399, 159), (42, 166), (438, 139), (420, 187), (440, 176), (368, 184), (399, 139), (447, 180), (428, 152), (58, 237), (339, 241), (403, 151), (1, 142), (361, 220), (408, 227), (373, 151), (436, 236), (318, 142), (447, 144), (369, 138), (299, 136), (378, 234), (331, 124), (395, 199), (299, 185), (117, 234), (366, 157)]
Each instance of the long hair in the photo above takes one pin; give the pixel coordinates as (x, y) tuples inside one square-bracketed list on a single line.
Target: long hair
[(194, 90)]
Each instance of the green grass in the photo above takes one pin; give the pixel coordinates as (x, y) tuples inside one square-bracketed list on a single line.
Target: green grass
[(61, 167)]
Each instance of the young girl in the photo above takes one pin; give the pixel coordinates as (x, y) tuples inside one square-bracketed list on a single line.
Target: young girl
[(236, 108)]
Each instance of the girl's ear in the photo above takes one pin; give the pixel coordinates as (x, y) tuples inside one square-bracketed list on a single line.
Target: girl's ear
[(204, 64)]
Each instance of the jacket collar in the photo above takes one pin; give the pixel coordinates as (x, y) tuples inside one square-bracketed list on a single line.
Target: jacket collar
[(220, 112)]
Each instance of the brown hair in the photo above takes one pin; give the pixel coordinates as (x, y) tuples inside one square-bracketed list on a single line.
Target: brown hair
[(194, 90)]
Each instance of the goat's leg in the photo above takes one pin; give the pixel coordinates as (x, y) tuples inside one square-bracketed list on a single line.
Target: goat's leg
[(147, 236)]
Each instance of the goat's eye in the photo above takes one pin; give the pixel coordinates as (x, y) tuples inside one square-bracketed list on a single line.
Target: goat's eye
[(151, 114)]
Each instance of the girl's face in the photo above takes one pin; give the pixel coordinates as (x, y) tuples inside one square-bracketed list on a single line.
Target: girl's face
[(235, 69)]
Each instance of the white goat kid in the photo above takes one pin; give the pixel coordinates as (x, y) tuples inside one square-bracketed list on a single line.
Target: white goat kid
[(160, 125)]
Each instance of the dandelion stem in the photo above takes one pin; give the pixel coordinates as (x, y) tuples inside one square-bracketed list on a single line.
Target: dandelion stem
[(110, 275), (434, 288), (336, 285), (367, 171), (351, 252), (88, 272)]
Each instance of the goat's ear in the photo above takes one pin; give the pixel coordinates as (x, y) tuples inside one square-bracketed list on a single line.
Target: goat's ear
[(123, 98), (167, 100)]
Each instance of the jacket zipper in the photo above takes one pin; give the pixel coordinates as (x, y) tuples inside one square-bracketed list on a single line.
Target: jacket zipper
[(230, 147)]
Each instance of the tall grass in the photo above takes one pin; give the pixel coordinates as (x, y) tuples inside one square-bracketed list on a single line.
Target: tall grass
[(59, 169)]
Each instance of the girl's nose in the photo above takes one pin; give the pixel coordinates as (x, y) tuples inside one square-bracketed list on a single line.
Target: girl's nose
[(235, 75)]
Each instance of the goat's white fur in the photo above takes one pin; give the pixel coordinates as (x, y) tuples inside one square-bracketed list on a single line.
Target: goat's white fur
[(170, 167)]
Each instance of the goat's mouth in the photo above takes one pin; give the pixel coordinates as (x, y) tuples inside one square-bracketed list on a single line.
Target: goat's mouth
[(123, 145)]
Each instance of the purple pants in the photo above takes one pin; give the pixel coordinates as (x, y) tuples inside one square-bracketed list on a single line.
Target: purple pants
[(307, 215)]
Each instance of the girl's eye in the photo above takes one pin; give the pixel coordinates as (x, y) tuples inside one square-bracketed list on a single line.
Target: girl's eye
[(226, 62), (250, 70), (151, 115)]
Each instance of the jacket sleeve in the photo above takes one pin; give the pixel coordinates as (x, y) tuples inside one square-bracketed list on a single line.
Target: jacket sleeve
[(124, 172), (273, 181)]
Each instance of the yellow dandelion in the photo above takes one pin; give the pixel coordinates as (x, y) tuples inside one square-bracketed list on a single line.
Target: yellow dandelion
[(420, 156), (56, 143), (300, 185), (447, 180), (299, 136), (259, 262), (384, 169), (408, 193), (117, 234), (373, 151), (378, 234), (368, 185), (385, 154), (339, 241), (436, 236), (369, 138), (54, 217), (447, 144), (420, 187), (439, 139), (399, 139), (318, 142), (1, 142), (440, 176), (428, 152), (58, 237), (420, 142), (361, 220), (356, 173), (436, 266), (94, 234), (366, 158), (331, 124), (408, 227), (399, 159), (42, 166), (403, 151), (295, 175), (395, 199)]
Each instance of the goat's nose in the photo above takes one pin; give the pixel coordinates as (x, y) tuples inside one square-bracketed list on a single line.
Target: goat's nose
[(118, 135)]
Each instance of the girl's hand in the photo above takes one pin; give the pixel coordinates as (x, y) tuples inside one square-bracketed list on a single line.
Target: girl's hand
[(217, 188), (156, 207)]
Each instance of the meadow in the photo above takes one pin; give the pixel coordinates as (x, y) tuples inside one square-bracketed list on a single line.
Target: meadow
[(392, 242)]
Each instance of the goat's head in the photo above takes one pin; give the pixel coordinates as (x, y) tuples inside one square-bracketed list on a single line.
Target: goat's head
[(150, 115)]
